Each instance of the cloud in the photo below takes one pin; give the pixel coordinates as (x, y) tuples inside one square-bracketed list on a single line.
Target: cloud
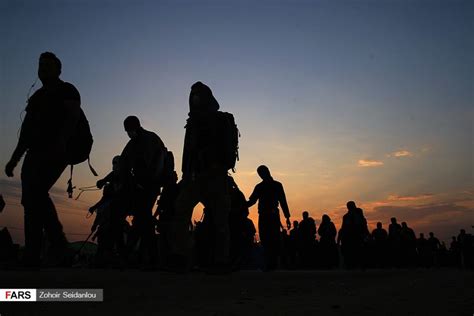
[(445, 219), (400, 154), (426, 149), (369, 163), (395, 197)]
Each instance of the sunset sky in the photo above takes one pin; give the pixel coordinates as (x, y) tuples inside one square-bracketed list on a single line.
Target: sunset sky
[(370, 101)]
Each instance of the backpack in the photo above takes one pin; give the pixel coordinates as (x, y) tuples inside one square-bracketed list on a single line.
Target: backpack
[(228, 137), (79, 147), (80, 143), (209, 135)]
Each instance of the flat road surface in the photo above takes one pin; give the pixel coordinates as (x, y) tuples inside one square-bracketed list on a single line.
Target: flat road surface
[(133, 292)]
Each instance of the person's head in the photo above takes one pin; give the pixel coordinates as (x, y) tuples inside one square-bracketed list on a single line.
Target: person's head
[(49, 67), (422, 235), (116, 163), (351, 205), (379, 225), (326, 218), (453, 238), (132, 126), (264, 172), (393, 220), (431, 234), (404, 225), (305, 215), (295, 224), (462, 231), (201, 99)]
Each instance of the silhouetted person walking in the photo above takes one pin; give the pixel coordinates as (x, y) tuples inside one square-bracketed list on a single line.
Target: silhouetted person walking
[(307, 231), (269, 194), (141, 169), (52, 115), (327, 243), (394, 239), (466, 245), (210, 150), (380, 245), (433, 246), (422, 248), (110, 216), (407, 245), (294, 244), (352, 236)]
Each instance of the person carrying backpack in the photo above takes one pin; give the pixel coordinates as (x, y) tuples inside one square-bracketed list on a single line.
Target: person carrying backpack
[(210, 150), (142, 164), (52, 116)]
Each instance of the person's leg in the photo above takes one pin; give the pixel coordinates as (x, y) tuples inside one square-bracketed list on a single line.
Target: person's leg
[(220, 205), (179, 225), (276, 241), (38, 176), (265, 234), (148, 243)]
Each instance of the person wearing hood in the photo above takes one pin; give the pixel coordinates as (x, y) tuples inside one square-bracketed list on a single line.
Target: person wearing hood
[(204, 180)]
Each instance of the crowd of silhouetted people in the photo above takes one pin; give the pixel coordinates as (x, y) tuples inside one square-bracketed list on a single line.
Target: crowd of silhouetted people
[(143, 218)]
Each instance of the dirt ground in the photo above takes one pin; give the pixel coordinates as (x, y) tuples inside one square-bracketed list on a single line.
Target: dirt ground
[(132, 292)]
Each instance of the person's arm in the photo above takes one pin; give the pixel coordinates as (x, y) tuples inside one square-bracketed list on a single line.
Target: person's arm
[(254, 196), (95, 206), (284, 206), (108, 178), (22, 145), (125, 163), (341, 232)]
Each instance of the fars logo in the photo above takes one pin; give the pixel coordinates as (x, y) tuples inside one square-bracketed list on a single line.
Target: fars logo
[(17, 295)]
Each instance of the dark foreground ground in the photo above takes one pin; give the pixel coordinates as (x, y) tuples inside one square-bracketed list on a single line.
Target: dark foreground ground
[(388, 292)]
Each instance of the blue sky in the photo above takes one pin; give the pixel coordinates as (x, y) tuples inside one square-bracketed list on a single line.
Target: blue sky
[(363, 100)]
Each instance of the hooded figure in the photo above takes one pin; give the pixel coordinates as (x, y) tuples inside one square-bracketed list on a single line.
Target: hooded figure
[(204, 179), (202, 143), (201, 99)]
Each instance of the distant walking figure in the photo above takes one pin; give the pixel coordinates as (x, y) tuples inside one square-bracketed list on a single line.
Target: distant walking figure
[(269, 194), (352, 236), (52, 114), (110, 216), (380, 239), (307, 239), (328, 248), (394, 239), (210, 150)]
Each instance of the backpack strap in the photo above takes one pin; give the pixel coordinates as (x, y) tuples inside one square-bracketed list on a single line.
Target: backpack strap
[(70, 187), (90, 167)]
